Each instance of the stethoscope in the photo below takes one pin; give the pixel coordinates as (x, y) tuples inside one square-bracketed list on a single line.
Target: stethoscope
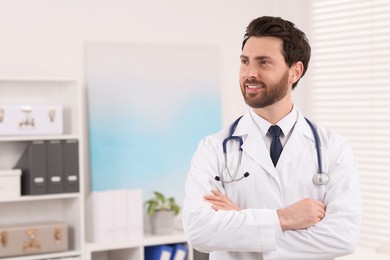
[(319, 178)]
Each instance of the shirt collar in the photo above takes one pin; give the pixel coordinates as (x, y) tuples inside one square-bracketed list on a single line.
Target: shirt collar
[(286, 123)]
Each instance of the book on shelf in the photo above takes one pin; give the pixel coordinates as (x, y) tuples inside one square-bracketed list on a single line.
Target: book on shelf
[(162, 252), (179, 252)]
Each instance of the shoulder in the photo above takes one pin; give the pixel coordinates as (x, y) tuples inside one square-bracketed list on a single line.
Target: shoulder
[(236, 127), (209, 149), (328, 136), (331, 137), (334, 144), (215, 139)]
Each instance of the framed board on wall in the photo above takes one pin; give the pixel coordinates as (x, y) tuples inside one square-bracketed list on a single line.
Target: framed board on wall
[(149, 106)]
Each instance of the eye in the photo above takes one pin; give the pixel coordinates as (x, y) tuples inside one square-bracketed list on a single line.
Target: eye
[(264, 62), (244, 61)]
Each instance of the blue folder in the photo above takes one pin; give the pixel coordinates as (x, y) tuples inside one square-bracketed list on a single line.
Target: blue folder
[(162, 252), (180, 252)]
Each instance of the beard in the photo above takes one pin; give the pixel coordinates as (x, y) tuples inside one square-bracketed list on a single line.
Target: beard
[(270, 94)]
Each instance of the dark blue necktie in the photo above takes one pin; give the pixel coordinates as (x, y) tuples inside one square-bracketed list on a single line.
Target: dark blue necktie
[(276, 145)]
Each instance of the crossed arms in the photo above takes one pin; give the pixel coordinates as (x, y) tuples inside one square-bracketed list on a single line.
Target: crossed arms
[(303, 214)]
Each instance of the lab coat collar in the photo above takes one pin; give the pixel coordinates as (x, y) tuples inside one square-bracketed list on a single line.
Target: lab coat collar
[(247, 125), (287, 123), (303, 127), (255, 147), (297, 143)]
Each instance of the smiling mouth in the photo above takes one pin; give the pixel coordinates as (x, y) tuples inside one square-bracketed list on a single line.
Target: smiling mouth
[(253, 88)]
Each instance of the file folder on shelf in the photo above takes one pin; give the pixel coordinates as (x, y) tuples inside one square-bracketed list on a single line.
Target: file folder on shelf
[(71, 166), (116, 216), (179, 252), (55, 167), (33, 166), (162, 252)]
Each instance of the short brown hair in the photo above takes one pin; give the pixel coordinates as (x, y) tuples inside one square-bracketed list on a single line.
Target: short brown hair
[(296, 46)]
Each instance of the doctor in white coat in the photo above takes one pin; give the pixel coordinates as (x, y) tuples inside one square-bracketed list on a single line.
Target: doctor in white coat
[(271, 209)]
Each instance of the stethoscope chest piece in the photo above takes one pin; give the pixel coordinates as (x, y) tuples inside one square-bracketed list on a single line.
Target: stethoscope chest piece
[(320, 178)]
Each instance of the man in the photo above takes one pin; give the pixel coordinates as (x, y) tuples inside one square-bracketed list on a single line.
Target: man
[(265, 204)]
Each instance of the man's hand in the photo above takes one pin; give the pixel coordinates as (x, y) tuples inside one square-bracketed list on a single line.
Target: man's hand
[(303, 214), (219, 201)]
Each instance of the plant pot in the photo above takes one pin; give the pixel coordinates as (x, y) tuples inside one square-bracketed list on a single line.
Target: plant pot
[(162, 222)]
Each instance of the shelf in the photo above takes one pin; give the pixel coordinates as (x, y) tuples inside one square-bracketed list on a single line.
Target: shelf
[(37, 138), (45, 256), (36, 79), (44, 197), (64, 207), (176, 237), (108, 246), (149, 240)]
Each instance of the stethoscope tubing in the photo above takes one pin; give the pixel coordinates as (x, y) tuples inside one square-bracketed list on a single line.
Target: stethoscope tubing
[(318, 147), (319, 178)]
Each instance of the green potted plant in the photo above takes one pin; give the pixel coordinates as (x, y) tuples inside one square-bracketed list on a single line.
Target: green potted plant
[(162, 212)]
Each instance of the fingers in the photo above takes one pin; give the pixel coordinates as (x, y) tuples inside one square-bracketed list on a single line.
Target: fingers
[(318, 203), (303, 214), (217, 193), (225, 207), (216, 196), (321, 212), (320, 208), (219, 201)]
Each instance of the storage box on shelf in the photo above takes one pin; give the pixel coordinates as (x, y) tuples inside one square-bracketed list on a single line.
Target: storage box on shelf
[(24, 119), (10, 184), (49, 204), (33, 239)]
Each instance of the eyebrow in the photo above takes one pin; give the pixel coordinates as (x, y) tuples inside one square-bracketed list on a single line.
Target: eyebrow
[(256, 58)]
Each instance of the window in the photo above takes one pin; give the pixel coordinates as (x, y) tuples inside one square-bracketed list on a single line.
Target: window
[(350, 74)]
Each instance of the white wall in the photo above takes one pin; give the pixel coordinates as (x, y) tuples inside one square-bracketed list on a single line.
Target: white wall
[(44, 38)]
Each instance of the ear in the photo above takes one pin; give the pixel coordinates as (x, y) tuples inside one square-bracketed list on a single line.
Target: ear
[(296, 71)]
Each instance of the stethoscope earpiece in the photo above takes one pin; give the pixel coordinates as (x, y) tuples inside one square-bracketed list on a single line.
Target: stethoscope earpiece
[(217, 178)]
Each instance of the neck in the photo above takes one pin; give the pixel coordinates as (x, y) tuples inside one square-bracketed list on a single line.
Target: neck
[(275, 112)]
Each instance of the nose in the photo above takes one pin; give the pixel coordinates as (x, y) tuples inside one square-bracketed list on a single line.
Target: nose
[(251, 71)]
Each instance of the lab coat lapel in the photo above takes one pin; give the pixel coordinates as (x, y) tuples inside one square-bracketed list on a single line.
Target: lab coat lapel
[(296, 144), (254, 145)]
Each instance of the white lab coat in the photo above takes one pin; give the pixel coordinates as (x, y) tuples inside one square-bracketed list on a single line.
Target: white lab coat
[(255, 232)]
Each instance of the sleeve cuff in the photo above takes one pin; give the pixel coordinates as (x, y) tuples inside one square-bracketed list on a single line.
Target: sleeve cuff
[(278, 227)]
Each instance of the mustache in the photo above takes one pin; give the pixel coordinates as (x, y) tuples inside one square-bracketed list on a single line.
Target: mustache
[(253, 81)]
